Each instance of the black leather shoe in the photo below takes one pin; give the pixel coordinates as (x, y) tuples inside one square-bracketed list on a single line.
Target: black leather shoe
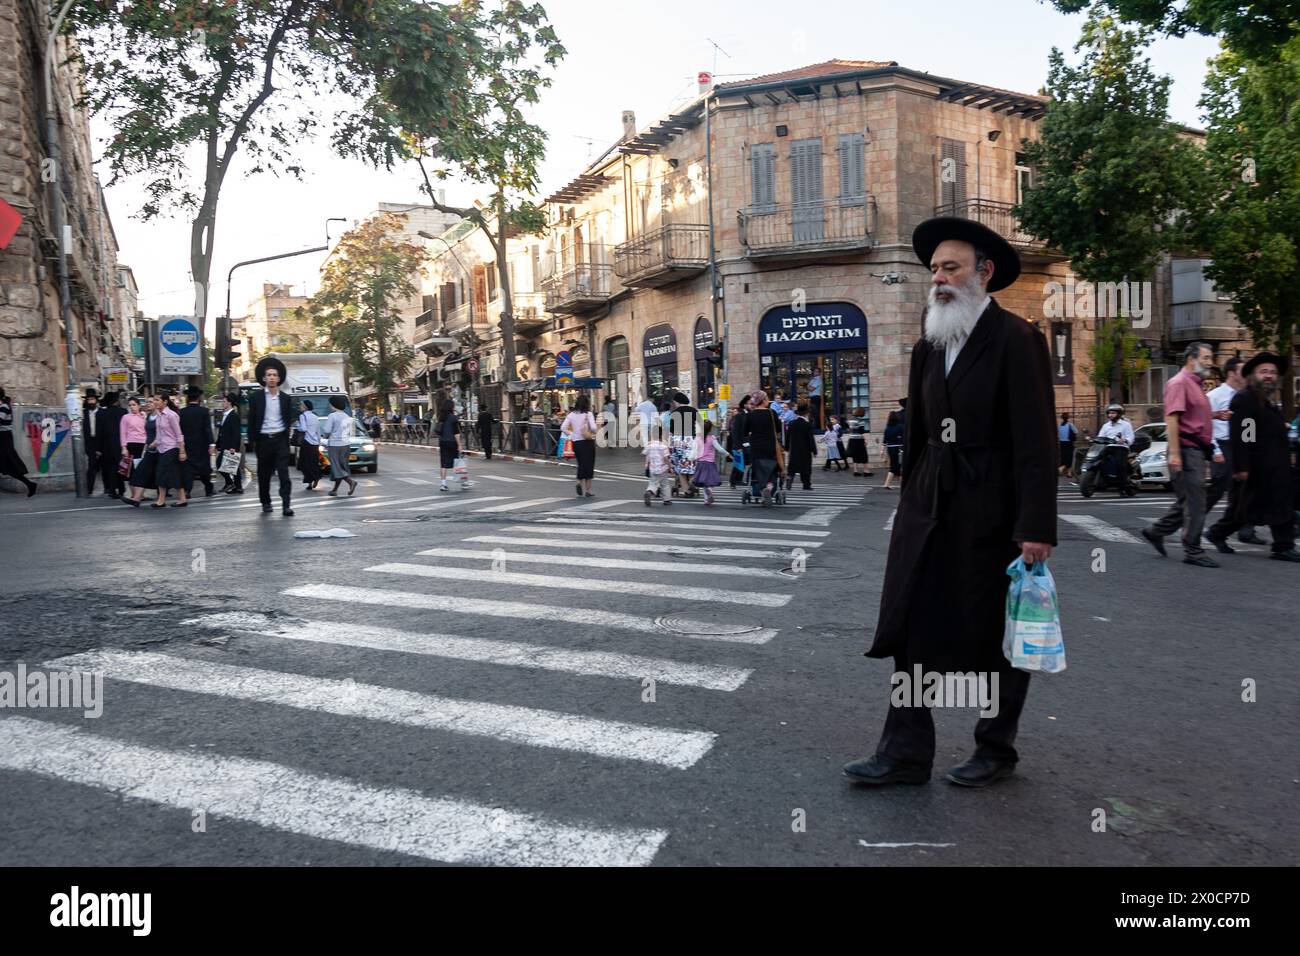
[(1291, 555), (1220, 544), (878, 770), (980, 772), (266, 509), (1155, 540), (1249, 537), (1201, 561), (288, 512)]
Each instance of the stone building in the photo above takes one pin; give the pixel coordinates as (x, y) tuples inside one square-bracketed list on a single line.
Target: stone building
[(32, 347), (271, 324)]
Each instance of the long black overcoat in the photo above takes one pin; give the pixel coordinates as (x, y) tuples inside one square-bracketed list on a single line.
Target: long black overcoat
[(979, 476), (1267, 459)]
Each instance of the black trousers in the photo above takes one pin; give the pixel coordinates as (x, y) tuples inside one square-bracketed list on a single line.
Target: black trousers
[(908, 736), (92, 470), (803, 470), (273, 456), (485, 438), (1234, 519), (114, 484)]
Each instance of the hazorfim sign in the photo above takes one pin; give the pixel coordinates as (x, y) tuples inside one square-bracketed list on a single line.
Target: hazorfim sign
[(659, 345), (820, 327)]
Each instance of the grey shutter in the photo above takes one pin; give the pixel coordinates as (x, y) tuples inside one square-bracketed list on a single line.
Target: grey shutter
[(762, 165), (853, 182), (806, 189), (952, 189)]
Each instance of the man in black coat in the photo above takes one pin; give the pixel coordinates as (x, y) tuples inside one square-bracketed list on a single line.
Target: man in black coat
[(90, 438), (1261, 461), (978, 491), (484, 426), (196, 430), (108, 442), (801, 447), (230, 439), (270, 413)]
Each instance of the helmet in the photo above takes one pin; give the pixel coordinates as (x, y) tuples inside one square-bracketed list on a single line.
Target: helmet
[(1115, 407)]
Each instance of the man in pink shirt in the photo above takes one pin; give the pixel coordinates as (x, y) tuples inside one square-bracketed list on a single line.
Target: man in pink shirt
[(1190, 431)]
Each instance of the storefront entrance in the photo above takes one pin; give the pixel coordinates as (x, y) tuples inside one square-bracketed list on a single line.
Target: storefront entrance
[(659, 355), (817, 355)]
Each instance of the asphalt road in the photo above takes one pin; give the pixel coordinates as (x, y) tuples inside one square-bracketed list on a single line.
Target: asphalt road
[(513, 675)]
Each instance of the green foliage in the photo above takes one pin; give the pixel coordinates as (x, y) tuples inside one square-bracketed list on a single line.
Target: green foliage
[(368, 276), (1116, 341), (1255, 29)]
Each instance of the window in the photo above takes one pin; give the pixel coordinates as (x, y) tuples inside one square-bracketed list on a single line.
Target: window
[(762, 174), (1024, 178), (616, 356), (806, 189), (853, 183), (1149, 387), (952, 173), (491, 282)]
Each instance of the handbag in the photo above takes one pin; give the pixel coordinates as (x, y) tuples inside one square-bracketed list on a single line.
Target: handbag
[(780, 451), (124, 465)]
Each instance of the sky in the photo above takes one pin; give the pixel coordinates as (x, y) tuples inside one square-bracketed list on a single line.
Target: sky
[(621, 56)]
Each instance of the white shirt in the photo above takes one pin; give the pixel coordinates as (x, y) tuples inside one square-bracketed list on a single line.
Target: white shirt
[(1220, 398), (273, 421), (309, 424), (950, 354), (648, 413), (338, 426), (1120, 429)]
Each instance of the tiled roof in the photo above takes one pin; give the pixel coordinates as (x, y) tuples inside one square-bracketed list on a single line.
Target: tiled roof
[(829, 68)]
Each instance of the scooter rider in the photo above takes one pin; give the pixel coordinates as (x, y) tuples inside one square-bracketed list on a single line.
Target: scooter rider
[(1118, 429)]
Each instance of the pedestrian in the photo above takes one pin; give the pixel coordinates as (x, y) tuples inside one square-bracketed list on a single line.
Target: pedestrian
[(658, 464), (270, 412), (309, 447), (683, 423), (735, 438), (893, 439), (1221, 469), (815, 408), (553, 426), (108, 428), (579, 428), (707, 450), (858, 455), (144, 473), (800, 448), (196, 426), (647, 415), (338, 432), (1190, 436), (169, 442), (1261, 461), (762, 447), (1066, 436), (448, 439), (484, 426), (978, 491), (229, 438), (10, 462), (834, 447), (90, 436)]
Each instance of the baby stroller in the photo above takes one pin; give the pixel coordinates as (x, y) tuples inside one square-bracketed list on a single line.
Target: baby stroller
[(753, 493)]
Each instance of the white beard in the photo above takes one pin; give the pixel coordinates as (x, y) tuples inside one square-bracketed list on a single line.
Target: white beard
[(948, 323)]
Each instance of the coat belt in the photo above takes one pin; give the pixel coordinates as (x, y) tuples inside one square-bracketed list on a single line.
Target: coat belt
[(952, 462)]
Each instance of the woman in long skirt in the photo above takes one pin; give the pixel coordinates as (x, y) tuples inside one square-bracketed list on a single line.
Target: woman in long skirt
[(309, 450), (338, 431), (10, 463), (579, 427), (144, 470), (170, 446), (858, 442)]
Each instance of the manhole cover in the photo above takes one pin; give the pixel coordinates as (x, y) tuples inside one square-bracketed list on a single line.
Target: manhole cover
[(395, 520), (677, 625), (822, 573)]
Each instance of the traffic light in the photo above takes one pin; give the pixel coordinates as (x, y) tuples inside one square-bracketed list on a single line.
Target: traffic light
[(715, 353), (224, 354)]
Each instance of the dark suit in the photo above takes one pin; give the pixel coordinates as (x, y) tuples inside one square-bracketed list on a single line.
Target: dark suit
[(108, 442), (196, 430), (978, 477), (1266, 496), (484, 425), (90, 441), (272, 450), (801, 447), (229, 439)]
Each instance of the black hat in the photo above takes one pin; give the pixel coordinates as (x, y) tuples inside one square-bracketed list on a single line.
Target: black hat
[(194, 393), (269, 362), (92, 393), (1260, 359), (1006, 261)]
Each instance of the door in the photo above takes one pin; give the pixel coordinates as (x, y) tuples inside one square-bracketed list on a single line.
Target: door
[(806, 190)]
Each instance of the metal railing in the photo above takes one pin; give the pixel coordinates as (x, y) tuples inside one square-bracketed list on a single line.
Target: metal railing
[(675, 247), (462, 317), (585, 286), (997, 216), (829, 225)]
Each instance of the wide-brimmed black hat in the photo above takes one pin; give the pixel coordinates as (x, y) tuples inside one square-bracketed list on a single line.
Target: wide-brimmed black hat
[(268, 362), (92, 393), (194, 393), (1271, 357), (1006, 261)]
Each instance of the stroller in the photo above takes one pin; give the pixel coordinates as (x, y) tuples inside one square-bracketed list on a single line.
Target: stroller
[(752, 492)]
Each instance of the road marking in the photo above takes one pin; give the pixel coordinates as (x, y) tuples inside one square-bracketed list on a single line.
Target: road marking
[(822, 516), (413, 481), (516, 506), (643, 516), (518, 610), (441, 494), (504, 653), (890, 846), (531, 557), (388, 819), (527, 726), (678, 536), (598, 506), (1100, 529), (634, 546), (305, 504), (681, 592), (480, 475), (452, 502), (889, 524), (678, 523)]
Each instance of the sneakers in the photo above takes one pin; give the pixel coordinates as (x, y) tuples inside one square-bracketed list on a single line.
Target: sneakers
[(444, 487)]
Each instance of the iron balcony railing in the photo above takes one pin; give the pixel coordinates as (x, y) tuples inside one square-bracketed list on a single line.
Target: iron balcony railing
[(830, 225), (580, 288), (671, 252), (462, 317), (997, 216), (529, 310)]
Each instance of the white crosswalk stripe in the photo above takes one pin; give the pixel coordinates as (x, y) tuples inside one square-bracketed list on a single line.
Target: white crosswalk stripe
[(480, 475), (671, 567), (633, 546), (1100, 529), (644, 516), (679, 536), (281, 798), (413, 481), (517, 505), (619, 522)]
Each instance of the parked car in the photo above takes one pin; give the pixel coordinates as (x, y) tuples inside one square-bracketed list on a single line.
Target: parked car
[(364, 453), (1155, 460)]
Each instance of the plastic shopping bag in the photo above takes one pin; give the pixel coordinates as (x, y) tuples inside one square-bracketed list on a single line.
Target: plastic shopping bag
[(460, 470), (559, 445), (1032, 638)]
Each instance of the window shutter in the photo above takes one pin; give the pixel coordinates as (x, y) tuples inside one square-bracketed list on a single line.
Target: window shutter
[(952, 187), (806, 171), (762, 162), (853, 187)]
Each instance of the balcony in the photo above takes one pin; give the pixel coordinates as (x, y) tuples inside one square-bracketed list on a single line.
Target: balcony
[(581, 288), (529, 311), (461, 318), (667, 254), (798, 229), (1204, 321), (997, 216)]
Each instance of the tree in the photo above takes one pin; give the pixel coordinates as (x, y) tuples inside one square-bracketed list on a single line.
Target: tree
[(1112, 174), (1256, 30), (487, 139), (215, 77), (368, 276), (1249, 219), (1116, 357)]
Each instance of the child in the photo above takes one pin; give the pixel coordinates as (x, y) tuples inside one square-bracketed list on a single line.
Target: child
[(834, 450), (657, 467), (706, 462)]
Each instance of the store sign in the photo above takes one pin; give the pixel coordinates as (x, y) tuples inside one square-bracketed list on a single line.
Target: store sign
[(820, 327), (659, 345), (179, 353), (117, 378), (703, 339)]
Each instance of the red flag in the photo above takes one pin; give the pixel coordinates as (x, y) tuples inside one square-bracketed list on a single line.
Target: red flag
[(10, 220)]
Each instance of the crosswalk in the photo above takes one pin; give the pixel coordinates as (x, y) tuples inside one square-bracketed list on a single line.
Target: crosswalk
[(632, 615)]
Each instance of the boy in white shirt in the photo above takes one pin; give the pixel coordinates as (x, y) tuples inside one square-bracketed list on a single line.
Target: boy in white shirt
[(659, 470)]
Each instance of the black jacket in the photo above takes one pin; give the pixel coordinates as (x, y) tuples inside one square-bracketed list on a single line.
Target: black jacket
[(801, 443), (228, 434), (1266, 459), (108, 431), (257, 413), (484, 421), (196, 430), (762, 431)]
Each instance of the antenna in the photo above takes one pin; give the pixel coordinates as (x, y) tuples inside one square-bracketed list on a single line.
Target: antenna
[(716, 50)]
